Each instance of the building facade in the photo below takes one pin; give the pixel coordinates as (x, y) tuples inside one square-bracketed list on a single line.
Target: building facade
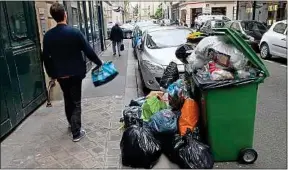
[(190, 10), (22, 84), (267, 12)]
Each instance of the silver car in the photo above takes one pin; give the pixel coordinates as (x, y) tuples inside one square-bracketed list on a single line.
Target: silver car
[(156, 50)]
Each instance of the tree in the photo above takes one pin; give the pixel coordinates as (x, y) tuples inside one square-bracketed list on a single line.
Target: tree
[(159, 12), (136, 10), (126, 9)]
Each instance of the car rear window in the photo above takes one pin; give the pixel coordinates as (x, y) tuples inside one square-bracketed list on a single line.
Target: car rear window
[(167, 38)]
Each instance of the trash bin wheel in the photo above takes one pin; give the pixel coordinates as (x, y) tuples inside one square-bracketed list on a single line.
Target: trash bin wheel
[(248, 156)]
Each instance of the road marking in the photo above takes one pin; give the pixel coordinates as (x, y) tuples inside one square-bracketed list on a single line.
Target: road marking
[(275, 63)]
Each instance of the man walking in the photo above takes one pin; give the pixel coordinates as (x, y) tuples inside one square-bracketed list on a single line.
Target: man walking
[(63, 60), (116, 36)]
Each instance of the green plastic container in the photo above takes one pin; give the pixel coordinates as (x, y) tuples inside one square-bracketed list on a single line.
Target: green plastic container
[(228, 113)]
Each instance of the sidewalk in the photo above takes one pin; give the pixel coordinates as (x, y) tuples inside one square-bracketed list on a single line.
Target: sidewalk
[(42, 140)]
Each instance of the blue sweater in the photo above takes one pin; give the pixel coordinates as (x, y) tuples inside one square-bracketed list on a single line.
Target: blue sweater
[(62, 52)]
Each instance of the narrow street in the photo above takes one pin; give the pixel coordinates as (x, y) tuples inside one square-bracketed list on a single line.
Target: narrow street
[(42, 140)]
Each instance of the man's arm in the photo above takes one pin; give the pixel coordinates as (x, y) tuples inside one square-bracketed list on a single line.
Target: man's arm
[(88, 50), (46, 58)]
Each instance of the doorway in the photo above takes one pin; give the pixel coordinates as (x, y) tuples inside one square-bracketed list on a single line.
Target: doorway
[(194, 12)]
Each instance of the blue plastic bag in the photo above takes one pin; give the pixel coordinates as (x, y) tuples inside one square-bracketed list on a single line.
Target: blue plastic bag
[(164, 122), (104, 74)]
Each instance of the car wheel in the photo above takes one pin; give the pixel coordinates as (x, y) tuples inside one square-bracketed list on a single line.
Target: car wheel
[(264, 51), (145, 90)]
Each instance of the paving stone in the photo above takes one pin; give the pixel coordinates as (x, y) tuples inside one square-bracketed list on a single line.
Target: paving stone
[(46, 161), (97, 151), (61, 155), (90, 162), (113, 152), (82, 155), (112, 161)]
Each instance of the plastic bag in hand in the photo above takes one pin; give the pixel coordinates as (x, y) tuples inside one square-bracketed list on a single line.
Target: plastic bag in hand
[(164, 121), (151, 106), (131, 116), (193, 154), (170, 75), (139, 148), (104, 74), (137, 102)]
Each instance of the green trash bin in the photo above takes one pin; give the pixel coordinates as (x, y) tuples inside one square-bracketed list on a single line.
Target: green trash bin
[(228, 109)]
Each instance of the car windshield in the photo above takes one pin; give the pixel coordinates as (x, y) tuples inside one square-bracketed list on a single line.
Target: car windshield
[(252, 25), (167, 38), (217, 24)]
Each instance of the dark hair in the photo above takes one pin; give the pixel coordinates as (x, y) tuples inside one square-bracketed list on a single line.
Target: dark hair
[(57, 11)]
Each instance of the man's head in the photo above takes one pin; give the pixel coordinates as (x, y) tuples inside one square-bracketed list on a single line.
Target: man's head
[(58, 12)]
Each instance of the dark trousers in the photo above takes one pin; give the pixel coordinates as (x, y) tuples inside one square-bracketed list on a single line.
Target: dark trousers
[(71, 88)]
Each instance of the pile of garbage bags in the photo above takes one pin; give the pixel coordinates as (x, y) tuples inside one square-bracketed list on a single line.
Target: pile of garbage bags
[(165, 122)]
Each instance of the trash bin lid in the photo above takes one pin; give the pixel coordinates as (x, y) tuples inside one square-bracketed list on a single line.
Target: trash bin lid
[(239, 42)]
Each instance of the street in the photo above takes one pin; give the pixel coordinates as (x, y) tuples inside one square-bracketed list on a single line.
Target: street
[(42, 141)]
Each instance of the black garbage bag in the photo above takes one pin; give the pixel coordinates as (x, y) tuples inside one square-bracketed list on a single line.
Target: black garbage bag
[(139, 148), (131, 116), (192, 153), (164, 122), (182, 52), (171, 143), (138, 102), (170, 75)]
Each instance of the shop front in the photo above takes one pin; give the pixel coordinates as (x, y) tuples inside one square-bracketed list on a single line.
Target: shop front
[(267, 12), (22, 81), (84, 15)]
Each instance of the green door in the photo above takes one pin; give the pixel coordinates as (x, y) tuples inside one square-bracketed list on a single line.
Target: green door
[(22, 78)]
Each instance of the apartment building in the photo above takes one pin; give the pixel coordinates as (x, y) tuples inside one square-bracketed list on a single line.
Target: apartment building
[(190, 10)]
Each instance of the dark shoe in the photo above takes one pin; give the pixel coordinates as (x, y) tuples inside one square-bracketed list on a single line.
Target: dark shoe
[(114, 54), (119, 55), (81, 135)]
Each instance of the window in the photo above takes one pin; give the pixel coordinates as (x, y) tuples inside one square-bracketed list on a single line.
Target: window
[(159, 39), (280, 28), (17, 21), (96, 26), (75, 21), (3, 29)]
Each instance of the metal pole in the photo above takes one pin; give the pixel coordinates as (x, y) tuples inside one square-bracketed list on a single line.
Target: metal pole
[(237, 10), (253, 10)]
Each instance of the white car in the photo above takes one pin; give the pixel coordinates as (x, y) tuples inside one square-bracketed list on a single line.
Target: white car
[(274, 41), (201, 19)]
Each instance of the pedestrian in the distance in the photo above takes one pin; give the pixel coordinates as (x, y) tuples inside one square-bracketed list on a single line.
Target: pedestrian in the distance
[(116, 36), (63, 60)]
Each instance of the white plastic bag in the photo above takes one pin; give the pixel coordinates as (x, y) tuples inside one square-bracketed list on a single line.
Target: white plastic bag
[(221, 75)]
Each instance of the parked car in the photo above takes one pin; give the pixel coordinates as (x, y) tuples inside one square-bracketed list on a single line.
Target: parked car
[(274, 41), (252, 31), (127, 30), (137, 34), (157, 50), (202, 18), (210, 24)]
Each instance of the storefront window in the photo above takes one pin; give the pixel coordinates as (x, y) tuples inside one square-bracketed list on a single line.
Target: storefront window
[(81, 16), (17, 21), (75, 21), (4, 34), (95, 16), (87, 4)]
